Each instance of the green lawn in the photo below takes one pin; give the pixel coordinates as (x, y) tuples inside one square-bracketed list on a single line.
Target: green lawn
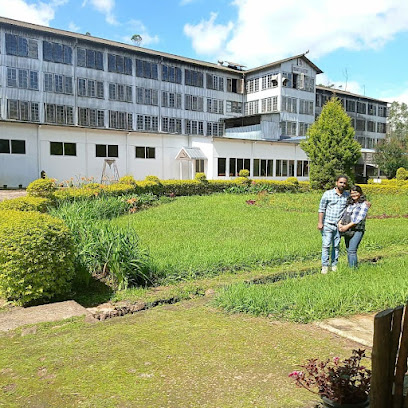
[(185, 355), (195, 236)]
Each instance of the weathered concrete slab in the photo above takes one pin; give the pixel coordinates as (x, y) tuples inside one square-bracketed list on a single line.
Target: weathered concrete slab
[(45, 313), (359, 328)]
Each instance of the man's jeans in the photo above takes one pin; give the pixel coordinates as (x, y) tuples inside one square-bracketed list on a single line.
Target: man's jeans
[(352, 246), (330, 238)]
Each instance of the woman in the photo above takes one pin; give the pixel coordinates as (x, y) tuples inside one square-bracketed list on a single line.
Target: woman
[(352, 223)]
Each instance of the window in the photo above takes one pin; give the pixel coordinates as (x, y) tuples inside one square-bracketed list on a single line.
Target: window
[(289, 104), (120, 64), (215, 82), (22, 110), (194, 78), (236, 165), (302, 169), (171, 100), (234, 107), (171, 74), (269, 104), (60, 114), (350, 105), (263, 168), (171, 125), (252, 85), (143, 152), (103, 150), (215, 129), (282, 168), (303, 128), (91, 117), (147, 122), (90, 58), (146, 69), (147, 96), (120, 120), (22, 78), (194, 103), (215, 106), (21, 47), (287, 80), (305, 107), (58, 83), (194, 127), (90, 88), (302, 82), (120, 92), (252, 108), (199, 166), (222, 166), (270, 81), (288, 128), (12, 146), (360, 124), (371, 126), (56, 52), (62, 149), (361, 107), (382, 111), (381, 127)]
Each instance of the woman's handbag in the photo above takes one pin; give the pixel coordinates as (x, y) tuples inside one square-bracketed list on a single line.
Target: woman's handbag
[(346, 219)]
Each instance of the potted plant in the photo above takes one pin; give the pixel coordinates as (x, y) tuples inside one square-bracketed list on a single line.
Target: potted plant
[(343, 384)]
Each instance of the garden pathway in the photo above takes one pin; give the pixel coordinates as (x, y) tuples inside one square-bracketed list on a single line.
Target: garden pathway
[(7, 194)]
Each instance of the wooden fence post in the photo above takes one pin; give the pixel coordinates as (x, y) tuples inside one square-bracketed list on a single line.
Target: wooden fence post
[(401, 365)]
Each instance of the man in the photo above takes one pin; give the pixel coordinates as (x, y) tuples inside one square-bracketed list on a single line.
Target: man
[(331, 208)]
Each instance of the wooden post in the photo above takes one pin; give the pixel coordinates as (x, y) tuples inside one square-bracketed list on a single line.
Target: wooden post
[(401, 366), (395, 342), (381, 383)]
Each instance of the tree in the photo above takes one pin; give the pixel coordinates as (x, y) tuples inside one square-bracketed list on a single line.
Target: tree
[(398, 121), (137, 39), (330, 146), (390, 155)]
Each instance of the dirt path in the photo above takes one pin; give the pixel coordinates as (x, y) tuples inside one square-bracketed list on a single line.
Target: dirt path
[(7, 194)]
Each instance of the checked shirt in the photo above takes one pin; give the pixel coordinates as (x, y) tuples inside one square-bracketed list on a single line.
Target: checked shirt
[(332, 206)]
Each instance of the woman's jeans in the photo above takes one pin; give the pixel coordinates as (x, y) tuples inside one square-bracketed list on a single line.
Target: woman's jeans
[(352, 244), (330, 238)]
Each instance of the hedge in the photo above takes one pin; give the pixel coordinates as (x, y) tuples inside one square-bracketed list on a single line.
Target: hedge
[(26, 204), (36, 256)]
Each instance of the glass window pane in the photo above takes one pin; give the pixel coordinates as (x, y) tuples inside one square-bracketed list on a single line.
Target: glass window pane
[(4, 146), (221, 166), (150, 153), (18, 147), (113, 151), (70, 149), (100, 150), (56, 149), (140, 152)]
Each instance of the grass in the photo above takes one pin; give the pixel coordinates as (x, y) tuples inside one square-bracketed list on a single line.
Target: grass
[(370, 288), (202, 236), (185, 355)]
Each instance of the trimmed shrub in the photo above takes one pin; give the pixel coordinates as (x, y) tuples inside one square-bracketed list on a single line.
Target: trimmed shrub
[(244, 173), (42, 188), (292, 180), (153, 179), (127, 180), (36, 256), (200, 177), (385, 188), (402, 174), (26, 204), (118, 189)]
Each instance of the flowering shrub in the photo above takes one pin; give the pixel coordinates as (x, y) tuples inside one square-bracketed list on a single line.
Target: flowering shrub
[(344, 382), (42, 188)]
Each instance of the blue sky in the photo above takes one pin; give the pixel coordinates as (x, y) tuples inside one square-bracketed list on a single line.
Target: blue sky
[(361, 45)]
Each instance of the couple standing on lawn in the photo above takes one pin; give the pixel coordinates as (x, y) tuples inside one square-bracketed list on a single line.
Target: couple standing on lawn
[(341, 213)]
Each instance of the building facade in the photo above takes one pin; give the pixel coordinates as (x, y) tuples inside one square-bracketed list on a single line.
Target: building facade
[(74, 105)]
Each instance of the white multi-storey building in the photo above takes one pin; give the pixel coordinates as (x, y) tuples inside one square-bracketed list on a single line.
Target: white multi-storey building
[(70, 104)]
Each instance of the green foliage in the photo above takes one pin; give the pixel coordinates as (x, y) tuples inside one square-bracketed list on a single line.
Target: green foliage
[(402, 174), (26, 204), (243, 173), (42, 188), (398, 121), (127, 180), (36, 256), (200, 177), (292, 180), (153, 179), (330, 146), (118, 189), (390, 155)]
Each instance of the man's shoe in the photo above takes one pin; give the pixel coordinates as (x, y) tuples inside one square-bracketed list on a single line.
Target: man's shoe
[(325, 269), (334, 268)]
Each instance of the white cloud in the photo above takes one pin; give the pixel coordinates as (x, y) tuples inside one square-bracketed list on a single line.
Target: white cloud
[(184, 2), (137, 27), (36, 12), (402, 97), (349, 86), (270, 30), (73, 27), (105, 7), (207, 37)]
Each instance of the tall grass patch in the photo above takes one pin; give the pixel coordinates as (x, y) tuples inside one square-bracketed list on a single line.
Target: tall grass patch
[(369, 288)]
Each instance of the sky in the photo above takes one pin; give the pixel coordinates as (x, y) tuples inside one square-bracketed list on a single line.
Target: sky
[(360, 45)]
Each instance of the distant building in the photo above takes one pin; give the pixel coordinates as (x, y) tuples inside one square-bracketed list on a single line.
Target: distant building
[(72, 105)]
